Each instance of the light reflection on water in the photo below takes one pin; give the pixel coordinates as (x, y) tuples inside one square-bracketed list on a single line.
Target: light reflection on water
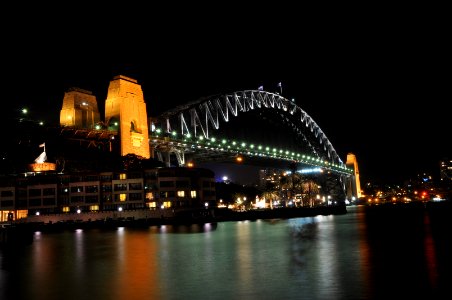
[(323, 257)]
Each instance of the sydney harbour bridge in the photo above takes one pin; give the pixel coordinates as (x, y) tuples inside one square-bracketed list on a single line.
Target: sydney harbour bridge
[(258, 127), (277, 128)]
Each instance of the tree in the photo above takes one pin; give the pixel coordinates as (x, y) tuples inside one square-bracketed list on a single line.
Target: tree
[(309, 188), (271, 192)]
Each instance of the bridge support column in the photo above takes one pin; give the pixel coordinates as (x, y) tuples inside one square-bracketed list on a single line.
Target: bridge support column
[(167, 159), (180, 155)]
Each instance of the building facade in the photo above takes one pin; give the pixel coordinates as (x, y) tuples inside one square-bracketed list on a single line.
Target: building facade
[(446, 170), (151, 189)]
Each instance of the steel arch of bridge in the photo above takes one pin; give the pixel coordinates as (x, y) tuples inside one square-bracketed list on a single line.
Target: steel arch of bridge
[(200, 118)]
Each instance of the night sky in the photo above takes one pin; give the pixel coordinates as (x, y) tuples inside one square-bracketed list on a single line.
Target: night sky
[(378, 89)]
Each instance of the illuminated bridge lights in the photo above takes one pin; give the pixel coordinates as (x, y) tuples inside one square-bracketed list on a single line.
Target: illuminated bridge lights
[(310, 170), (261, 151)]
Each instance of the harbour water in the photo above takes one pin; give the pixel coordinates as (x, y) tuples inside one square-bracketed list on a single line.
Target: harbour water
[(357, 255)]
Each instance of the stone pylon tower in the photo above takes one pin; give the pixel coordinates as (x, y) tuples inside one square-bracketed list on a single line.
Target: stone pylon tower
[(125, 107), (354, 189), (79, 109)]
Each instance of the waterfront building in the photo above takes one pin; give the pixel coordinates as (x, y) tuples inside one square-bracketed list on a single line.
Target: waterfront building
[(149, 189), (86, 154), (446, 170)]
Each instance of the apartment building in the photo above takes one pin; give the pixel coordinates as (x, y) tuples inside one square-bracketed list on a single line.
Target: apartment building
[(159, 188)]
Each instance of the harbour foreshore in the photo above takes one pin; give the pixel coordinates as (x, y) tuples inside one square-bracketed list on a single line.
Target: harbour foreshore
[(167, 217)]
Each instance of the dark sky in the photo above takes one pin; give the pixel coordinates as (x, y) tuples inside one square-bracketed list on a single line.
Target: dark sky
[(379, 88)]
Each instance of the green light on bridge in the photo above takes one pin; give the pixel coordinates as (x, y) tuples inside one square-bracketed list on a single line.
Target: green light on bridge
[(269, 152)]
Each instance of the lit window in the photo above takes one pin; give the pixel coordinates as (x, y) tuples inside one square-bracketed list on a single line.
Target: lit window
[(167, 204), (181, 194), (122, 197), (193, 194), (122, 176), (151, 204), (94, 207), (66, 209), (149, 196)]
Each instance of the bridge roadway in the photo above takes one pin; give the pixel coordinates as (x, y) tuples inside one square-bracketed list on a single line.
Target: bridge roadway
[(207, 150), (204, 150)]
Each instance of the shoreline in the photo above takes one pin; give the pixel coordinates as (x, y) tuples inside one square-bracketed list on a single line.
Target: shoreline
[(21, 233), (186, 217)]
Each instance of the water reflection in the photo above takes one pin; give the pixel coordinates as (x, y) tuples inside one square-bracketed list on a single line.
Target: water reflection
[(430, 253), (325, 257), (184, 228), (403, 253), (303, 234), (351, 256), (136, 273)]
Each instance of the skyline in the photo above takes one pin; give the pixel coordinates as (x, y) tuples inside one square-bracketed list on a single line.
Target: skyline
[(382, 137), (382, 96)]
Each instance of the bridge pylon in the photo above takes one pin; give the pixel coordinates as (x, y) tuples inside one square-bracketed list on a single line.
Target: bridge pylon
[(353, 187), (79, 109), (125, 106)]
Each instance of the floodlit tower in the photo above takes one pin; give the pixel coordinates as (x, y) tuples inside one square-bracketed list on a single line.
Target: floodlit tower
[(355, 189), (79, 109), (125, 107)]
